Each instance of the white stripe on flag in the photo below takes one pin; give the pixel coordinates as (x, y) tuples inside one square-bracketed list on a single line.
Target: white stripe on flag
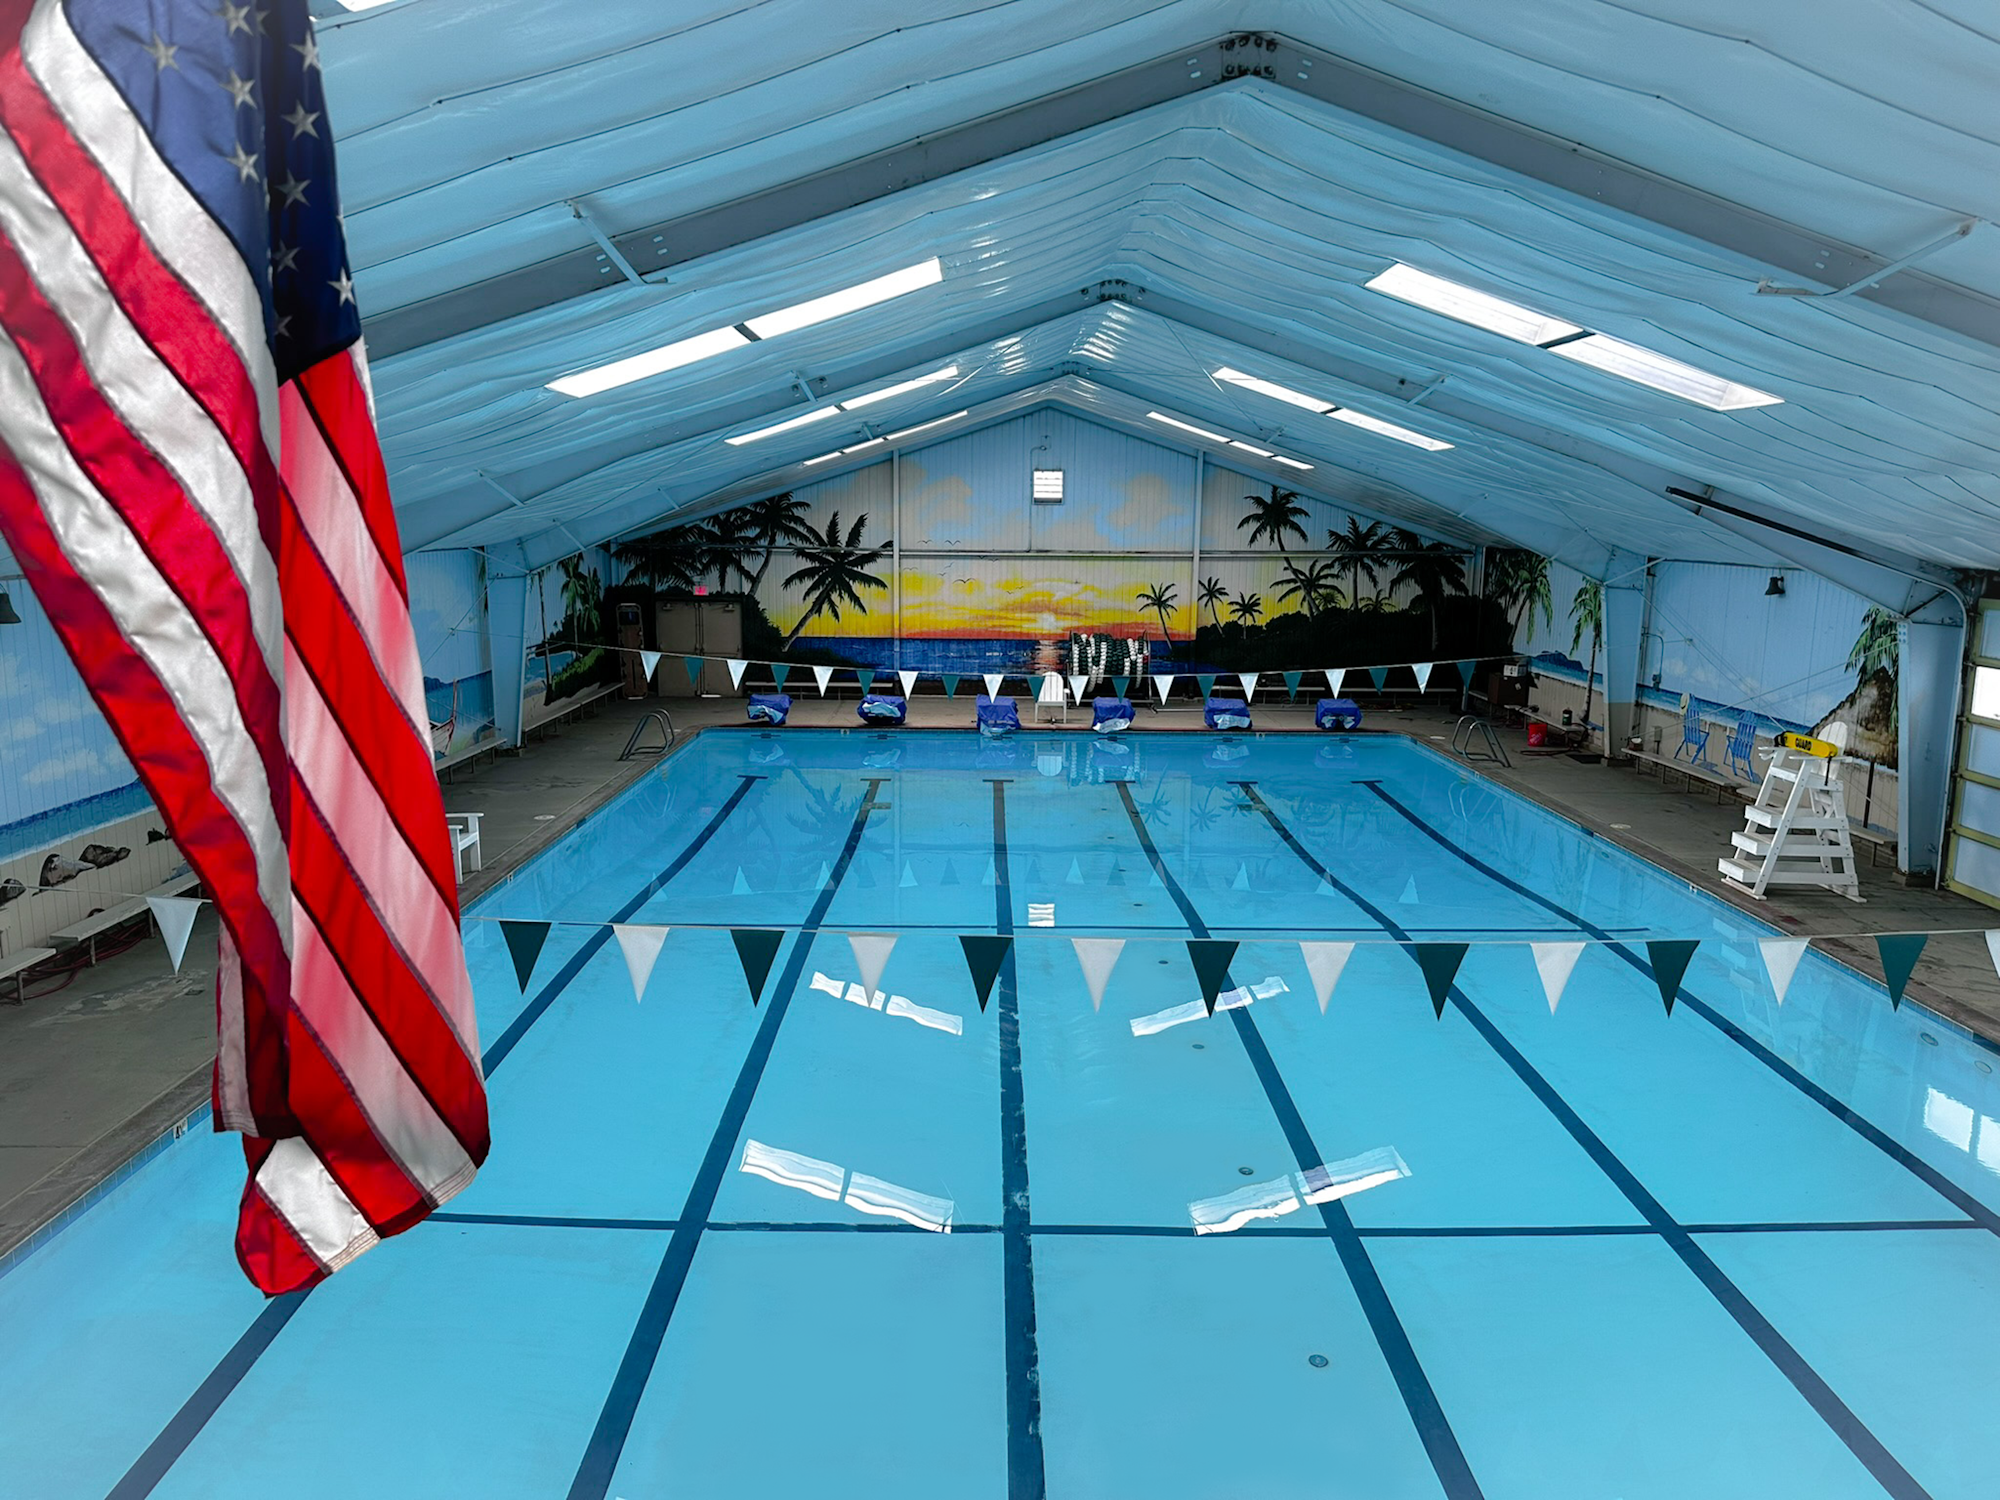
[(303, 1193)]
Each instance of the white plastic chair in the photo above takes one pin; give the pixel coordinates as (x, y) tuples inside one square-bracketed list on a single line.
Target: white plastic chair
[(464, 828), (1052, 696)]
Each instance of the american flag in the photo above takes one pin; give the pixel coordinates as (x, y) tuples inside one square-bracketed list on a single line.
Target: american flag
[(190, 479)]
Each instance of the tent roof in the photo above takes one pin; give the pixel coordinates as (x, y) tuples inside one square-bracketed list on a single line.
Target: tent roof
[(1116, 218)]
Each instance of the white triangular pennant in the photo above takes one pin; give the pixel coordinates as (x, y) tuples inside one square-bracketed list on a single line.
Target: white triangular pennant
[(871, 956), (1993, 948), (1323, 889), (824, 872), (648, 660), (909, 682), (909, 877), (1163, 684), (1077, 683), (1409, 896), (640, 943), (994, 681), (1554, 961), (176, 915), (736, 672), (991, 877), (1324, 961), (742, 886), (1423, 671), (1249, 681), (1781, 961), (1098, 956), (1334, 677), (1242, 880), (823, 675)]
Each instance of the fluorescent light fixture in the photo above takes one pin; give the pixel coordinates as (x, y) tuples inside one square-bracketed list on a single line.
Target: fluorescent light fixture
[(1251, 448), (897, 437), (824, 458), (1387, 429), (853, 299), (1481, 309), (1630, 362), (361, 4), (1200, 432), (652, 362), (863, 447), (817, 414), (890, 392), (1290, 463), (1270, 388)]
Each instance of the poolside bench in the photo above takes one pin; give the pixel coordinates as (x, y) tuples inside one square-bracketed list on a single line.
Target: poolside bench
[(15, 966), (89, 929), (1720, 781)]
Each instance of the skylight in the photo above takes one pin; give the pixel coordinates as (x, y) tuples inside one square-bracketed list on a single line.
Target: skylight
[(818, 414), (1290, 463), (1200, 432), (889, 392), (1227, 442), (1387, 429), (852, 403), (1251, 448), (1482, 310), (853, 299), (1326, 408), (1275, 391), (1630, 362), (1568, 340), (897, 437), (769, 325)]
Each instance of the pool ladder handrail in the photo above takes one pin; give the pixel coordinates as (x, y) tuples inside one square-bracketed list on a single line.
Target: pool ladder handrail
[(652, 716), (1461, 741)]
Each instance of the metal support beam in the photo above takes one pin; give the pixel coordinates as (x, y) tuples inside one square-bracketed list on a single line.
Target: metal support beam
[(1928, 675), (611, 252), (507, 638), (1624, 619), (1599, 182)]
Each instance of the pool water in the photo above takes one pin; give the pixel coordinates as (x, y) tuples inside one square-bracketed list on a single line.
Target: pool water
[(841, 1244)]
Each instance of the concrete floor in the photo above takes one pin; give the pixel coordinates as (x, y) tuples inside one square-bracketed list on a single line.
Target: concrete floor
[(93, 1073)]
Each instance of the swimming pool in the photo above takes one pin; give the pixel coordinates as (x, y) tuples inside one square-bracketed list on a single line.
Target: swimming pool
[(909, 1248)]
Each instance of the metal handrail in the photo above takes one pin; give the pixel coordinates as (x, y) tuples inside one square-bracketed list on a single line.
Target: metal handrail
[(653, 716), (1461, 741)]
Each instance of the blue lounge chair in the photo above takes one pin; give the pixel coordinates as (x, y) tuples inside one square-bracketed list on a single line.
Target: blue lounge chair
[(1109, 715), (1337, 713), (1226, 713), (882, 711), (1694, 737), (769, 708), (1738, 751)]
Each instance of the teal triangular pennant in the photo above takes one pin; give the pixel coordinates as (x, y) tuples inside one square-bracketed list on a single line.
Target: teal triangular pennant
[(780, 670), (1466, 669), (524, 945), (865, 676), (756, 948), (1211, 958), (1378, 675), (951, 684), (983, 956), (742, 886), (693, 665), (1292, 680), (950, 875), (1670, 962), (1206, 682), (1119, 685), (1899, 952), (1117, 875), (1440, 962)]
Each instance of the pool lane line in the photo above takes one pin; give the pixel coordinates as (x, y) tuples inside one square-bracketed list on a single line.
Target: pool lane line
[(1929, 1175), (621, 1404), (1420, 1398), (1027, 1467), (599, 936), (186, 1424), (1859, 1439)]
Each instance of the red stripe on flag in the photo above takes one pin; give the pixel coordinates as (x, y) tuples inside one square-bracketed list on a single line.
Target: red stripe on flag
[(148, 727), (333, 394), (267, 1248)]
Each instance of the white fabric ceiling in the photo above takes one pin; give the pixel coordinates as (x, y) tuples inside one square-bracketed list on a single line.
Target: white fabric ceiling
[(1245, 217)]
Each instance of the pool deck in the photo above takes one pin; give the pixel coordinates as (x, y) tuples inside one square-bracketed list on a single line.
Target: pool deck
[(93, 1073)]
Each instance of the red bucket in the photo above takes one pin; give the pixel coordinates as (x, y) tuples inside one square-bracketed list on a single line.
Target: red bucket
[(1538, 734)]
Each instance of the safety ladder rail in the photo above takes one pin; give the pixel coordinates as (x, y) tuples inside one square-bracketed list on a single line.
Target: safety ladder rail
[(653, 716), (1461, 741)]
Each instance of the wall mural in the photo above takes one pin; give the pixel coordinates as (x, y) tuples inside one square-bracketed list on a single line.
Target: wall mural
[(983, 579), (571, 654), (448, 614)]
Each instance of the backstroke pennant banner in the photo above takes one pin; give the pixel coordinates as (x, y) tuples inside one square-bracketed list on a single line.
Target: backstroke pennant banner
[(1670, 961), (780, 670), (736, 670), (1292, 680), (1335, 676), (524, 946), (1324, 962), (693, 665), (1120, 686), (984, 954), (908, 680), (1163, 684), (1555, 962), (1206, 682), (640, 943), (994, 682), (823, 676), (649, 661), (1781, 961), (756, 949), (1899, 953), (1423, 671), (865, 676), (1466, 669), (950, 680), (1077, 683), (1097, 956), (176, 915), (1993, 948), (1211, 958), (1378, 676), (1439, 962), (1249, 681), (871, 956)]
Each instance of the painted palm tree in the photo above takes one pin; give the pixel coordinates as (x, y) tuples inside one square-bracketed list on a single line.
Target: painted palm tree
[(1518, 580), (1247, 609), (1875, 648), (1273, 516), (779, 520), (1436, 570), (1159, 598), (834, 570), (1312, 585), (1586, 613), (1359, 550), (1212, 595), (583, 598), (731, 537)]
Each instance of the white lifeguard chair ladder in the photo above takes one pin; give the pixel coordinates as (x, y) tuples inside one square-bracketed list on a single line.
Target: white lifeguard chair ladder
[(1796, 832)]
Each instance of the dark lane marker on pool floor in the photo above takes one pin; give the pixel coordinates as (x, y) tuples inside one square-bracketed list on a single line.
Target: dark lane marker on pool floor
[(628, 1386), (1849, 1428), (1426, 1413)]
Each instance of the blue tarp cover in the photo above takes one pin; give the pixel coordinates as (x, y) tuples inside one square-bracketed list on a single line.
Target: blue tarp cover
[(997, 716), (769, 708), (1337, 713), (877, 709), (1109, 715), (1226, 713)]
